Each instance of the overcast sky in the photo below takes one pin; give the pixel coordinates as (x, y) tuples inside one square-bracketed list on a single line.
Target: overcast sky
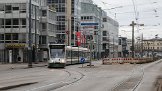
[(148, 12)]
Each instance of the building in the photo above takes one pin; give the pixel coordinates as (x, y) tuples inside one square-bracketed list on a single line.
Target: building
[(68, 12), (91, 22), (103, 30), (152, 47), (109, 41), (14, 29), (122, 48), (129, 45), (138, 47)]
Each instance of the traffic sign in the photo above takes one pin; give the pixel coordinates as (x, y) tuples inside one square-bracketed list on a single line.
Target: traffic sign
[(82, 60)]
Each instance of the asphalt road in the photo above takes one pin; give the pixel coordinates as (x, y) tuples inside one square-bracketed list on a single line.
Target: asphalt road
[(116, 77)]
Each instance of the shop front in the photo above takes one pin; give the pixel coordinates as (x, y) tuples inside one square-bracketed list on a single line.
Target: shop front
[(16, 52)]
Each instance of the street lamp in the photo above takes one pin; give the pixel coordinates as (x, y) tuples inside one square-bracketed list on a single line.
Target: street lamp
[(90, 47), (99, 33), (30, 38), (36, 49), (75, 18)]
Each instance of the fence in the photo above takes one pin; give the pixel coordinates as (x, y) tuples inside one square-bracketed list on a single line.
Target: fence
[(126, 60)]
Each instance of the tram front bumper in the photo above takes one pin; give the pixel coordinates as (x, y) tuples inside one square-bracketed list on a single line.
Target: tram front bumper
[(56, 65)]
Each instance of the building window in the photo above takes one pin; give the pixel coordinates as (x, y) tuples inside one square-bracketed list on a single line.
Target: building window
[(44, 26), (8, 9), (82, 18), (104, 19), (15, 23), (157, 43), (1, 7), (8, 23), (44, 13), (15, 7), (23, 23), (1, 23), (22, 38), (22, 8), (104, 39), (1, 37), (60, 18), (43, 39), (91, 17), (7, 36), (104, 46), (60, 7), (15, 36), (104, 33)]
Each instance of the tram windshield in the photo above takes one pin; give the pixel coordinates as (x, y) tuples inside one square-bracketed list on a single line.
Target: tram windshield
[(57, 53)]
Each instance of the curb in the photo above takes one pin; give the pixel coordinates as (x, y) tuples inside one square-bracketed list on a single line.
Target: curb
[(15, 86), (14, 67)]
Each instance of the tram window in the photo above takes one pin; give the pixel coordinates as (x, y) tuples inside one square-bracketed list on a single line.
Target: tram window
[(75, 54), (57, 53), (68, 54)]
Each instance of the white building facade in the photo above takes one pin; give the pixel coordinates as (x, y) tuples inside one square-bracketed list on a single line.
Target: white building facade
[(110, 31), (91, 22), (14, 29)]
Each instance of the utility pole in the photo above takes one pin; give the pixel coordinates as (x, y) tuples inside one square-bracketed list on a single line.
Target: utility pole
[(68, 17), (99, 34), (30, 38), (90, 63), (68, 33), (133, 24)]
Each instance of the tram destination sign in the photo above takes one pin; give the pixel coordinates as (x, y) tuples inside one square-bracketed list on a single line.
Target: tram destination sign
[(57, 46)]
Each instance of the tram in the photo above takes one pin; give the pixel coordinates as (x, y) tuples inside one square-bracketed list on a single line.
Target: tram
[(61, 55), (74, 54), (57, 55)]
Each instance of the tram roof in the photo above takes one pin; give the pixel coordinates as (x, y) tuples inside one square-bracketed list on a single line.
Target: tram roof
[(76, 48), (56, 44)]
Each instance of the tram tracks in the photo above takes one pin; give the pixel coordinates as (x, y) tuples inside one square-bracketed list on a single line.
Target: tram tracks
[(132, 81), (73, 77), (41, 84)]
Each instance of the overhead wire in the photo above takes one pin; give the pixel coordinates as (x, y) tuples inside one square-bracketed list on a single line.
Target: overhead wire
[(136, 13)]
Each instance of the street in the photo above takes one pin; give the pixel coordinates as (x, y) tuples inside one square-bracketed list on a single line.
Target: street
[(116, 77)]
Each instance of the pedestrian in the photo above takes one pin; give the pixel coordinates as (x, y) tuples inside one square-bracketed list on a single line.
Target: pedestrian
[(19, 59)]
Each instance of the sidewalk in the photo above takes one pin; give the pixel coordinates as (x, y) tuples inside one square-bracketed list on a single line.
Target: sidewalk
[(21, 66)]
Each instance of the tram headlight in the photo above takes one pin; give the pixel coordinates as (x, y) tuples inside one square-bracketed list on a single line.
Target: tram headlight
[(62, 60), (51, 61)]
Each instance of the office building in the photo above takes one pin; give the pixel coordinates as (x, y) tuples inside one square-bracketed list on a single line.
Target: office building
[(68, 12), (14, 29)]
